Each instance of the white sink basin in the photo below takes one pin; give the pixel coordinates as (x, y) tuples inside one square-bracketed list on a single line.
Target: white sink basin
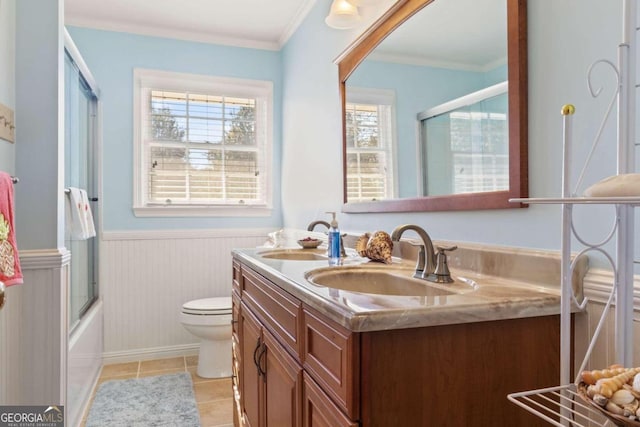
[(295, 254), (383, 281)]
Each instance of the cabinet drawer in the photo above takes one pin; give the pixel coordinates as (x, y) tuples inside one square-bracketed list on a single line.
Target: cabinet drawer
[(318, 410), (237, 277), (279, 311), (331, 356)]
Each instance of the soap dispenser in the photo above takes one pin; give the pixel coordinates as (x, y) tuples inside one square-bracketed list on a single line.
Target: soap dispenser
[(334, 242)]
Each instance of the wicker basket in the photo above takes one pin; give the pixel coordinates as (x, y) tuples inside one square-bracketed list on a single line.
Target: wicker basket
[(616, 419)]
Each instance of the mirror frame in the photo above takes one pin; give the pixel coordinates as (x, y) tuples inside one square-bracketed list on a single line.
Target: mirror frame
[(349, 60)]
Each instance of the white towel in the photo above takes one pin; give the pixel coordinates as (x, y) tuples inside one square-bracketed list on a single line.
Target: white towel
[(79, 216), (88, 216)]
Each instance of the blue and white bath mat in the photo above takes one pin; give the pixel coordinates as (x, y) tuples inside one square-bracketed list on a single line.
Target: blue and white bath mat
[(165, 400)]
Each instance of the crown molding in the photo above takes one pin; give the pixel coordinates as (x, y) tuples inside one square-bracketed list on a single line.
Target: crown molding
[(300, 15), (196, 36), (154, 31)]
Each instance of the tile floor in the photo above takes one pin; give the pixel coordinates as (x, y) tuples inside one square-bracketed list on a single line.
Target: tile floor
[(213, 396)]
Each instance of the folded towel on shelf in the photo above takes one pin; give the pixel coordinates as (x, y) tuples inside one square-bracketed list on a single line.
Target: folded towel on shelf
[(79, 217), (10, 272)]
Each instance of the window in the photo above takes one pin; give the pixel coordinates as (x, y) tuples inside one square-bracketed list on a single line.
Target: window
[(472, 150), (201, 145), (370, 145), (479, 149)]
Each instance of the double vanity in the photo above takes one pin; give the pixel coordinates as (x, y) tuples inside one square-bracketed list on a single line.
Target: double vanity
[(367, 344)]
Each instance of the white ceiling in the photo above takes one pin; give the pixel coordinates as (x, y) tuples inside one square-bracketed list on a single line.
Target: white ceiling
[(458, 34), (265, 24), (446, 33)]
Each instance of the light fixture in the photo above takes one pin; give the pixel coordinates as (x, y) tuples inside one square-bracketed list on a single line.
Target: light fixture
[(343, 15)]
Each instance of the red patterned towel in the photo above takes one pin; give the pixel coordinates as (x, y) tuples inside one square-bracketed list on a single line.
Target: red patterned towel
[(10, 272)]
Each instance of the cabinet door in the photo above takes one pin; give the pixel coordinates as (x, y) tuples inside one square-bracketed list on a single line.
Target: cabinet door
[(236, 358), (251, 385), (235, 382), (283, 385), (318, 410), (331, 357)]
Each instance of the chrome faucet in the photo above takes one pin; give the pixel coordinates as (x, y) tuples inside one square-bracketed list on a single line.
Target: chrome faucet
[(312, 225), (426, 256), (429, 266)]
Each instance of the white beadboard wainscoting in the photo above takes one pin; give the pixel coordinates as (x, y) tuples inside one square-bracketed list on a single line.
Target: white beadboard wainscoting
[(597, 287), (11, 329), (146, 276), (33, 331)]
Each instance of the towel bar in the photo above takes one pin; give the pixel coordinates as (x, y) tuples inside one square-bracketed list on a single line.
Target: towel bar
[(91, 199)]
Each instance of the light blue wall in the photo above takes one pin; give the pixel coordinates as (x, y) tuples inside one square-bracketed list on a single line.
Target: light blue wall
[(564, 38), (311, 128), (7, 71), (417, 88), (111, 57), (39, 124), (496, 75)]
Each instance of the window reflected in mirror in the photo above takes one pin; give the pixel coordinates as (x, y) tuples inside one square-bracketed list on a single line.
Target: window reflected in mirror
[(465, 149), (370, 145)]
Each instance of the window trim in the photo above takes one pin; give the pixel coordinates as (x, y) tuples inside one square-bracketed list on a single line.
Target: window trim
[(363, 95), (143, 79)]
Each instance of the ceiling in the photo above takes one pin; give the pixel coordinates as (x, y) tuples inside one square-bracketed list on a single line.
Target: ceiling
[(430, 37), (264, 24), (450, 35)]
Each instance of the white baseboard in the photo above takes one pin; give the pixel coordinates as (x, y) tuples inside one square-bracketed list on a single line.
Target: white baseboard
[(150, 353)]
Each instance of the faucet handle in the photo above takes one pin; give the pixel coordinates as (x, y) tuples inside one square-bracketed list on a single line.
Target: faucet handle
[(343, 251), (442, 273)]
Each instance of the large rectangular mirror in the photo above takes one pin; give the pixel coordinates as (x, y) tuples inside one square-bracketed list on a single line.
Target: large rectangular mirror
[(434, 99)]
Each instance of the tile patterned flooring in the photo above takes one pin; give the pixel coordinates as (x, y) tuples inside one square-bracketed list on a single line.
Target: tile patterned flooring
[(214, 397)]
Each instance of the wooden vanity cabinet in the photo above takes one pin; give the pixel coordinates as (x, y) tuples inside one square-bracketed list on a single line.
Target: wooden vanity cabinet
[(235, 341), (251, 384), (271, 377), (331, 357), (319, 410), (283, 385), (300, 368)]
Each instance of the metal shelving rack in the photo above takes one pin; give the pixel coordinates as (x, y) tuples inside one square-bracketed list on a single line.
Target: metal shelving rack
[(562, 406)]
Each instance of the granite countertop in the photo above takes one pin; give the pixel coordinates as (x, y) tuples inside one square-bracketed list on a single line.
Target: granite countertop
[(503, 290)]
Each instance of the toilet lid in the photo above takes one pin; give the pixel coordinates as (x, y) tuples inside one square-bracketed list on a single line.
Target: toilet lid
[(220, 305)]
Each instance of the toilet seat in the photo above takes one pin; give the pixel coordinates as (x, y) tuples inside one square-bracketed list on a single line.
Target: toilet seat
[(208, 306)]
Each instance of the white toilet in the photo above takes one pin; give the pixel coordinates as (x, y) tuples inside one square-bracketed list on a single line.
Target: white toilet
[(210, 320)]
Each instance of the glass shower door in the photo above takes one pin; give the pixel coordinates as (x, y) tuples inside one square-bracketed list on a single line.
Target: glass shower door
[(80, 134)]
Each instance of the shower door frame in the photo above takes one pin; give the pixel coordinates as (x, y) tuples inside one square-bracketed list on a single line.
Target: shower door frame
[(93, 176)]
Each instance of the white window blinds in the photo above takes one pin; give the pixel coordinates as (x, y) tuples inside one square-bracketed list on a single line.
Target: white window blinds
[(203, 146)]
